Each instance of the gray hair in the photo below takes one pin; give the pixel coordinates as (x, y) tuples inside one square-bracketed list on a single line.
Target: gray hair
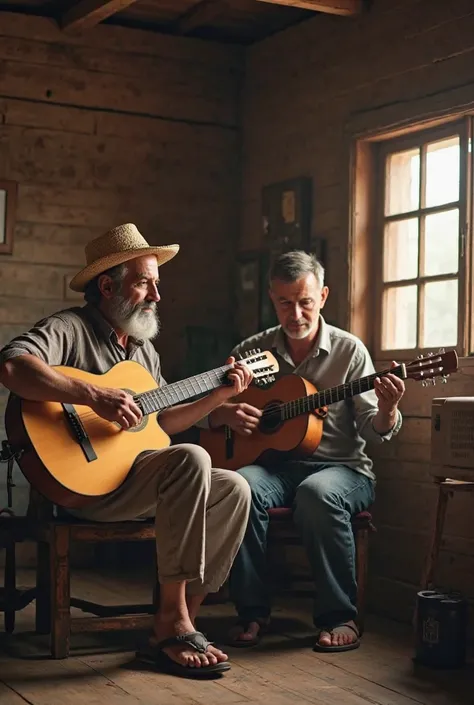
[(92, 292), (291, 266)]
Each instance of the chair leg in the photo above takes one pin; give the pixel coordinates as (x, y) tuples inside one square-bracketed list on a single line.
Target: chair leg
[(43, 588), (435, 541), (10, 587), (362, 564), (60, 591)]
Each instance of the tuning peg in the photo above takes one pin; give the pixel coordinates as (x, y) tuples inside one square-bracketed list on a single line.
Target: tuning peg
[(419, 357), (441, 350), (430, 354), (258, 350), (444, 379)]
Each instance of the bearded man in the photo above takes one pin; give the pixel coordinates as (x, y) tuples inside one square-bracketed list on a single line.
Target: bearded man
[(200, 512)]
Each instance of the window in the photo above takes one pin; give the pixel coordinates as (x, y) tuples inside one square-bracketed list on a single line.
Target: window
[(422, 198)]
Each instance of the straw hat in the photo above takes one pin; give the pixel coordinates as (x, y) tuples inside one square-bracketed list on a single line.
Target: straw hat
[(119, 245)]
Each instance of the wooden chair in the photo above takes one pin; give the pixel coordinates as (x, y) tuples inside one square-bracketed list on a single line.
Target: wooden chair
[(282, 531), (13, 530), (54, 536)]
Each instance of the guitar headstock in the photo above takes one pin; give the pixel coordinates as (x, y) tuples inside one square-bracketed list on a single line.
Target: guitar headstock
[(263, 365), (426, 369)]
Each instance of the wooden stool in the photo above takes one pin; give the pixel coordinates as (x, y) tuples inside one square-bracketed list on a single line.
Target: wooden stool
[(446, 489)]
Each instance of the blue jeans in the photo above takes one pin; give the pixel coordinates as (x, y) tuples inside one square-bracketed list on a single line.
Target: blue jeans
[(324, 498)]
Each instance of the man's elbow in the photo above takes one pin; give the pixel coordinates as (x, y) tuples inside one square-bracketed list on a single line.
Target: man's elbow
[(6, 371)]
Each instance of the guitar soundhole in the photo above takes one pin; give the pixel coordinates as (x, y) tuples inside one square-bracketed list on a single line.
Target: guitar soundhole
[(271, 419), (142, 423)]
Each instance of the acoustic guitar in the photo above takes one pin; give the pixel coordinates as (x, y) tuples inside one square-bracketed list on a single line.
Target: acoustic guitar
[(293, 413), (72, 456)]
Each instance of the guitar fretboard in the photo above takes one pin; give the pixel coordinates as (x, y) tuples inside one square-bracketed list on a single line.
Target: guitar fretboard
[(177, 392), (334, 394)]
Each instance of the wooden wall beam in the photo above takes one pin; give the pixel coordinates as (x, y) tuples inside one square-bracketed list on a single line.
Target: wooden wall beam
[(332, 7), (88, 13), (204, 12)]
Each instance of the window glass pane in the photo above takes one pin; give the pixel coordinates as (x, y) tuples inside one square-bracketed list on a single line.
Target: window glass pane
[(442, 172), (399, 318), (402, 182), (440, 314), (400, 254), (441, 243)]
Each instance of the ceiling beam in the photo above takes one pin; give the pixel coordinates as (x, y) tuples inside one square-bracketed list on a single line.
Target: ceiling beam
[(88, 13), (332, 7), (203, 13)]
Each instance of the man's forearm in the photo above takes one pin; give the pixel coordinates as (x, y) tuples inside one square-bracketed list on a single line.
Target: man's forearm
[(383, 421), (30, 378), (180, 418)]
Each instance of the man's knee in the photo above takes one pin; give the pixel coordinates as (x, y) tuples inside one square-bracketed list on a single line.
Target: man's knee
[(190, 459), (239, 488), (316, 501), (257, 489)]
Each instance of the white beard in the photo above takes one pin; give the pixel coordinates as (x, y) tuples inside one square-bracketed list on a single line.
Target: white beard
[(300, 334), (133, 320)]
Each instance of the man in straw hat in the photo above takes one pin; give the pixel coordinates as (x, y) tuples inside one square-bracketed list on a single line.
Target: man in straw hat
[(201, 513)]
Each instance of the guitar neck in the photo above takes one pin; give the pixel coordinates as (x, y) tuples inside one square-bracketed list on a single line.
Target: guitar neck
[(177, 392), (334, 394)]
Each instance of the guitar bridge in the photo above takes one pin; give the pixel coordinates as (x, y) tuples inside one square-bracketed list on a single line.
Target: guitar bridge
[(79, 432)]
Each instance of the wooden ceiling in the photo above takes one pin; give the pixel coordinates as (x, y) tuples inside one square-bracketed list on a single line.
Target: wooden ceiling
[(236, 21)]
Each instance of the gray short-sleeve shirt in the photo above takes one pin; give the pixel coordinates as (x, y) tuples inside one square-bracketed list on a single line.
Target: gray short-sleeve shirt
[(81, 337)]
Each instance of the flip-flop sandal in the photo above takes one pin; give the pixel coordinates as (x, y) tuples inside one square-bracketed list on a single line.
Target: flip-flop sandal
[(343, 647), (246, 643), (154, 655)]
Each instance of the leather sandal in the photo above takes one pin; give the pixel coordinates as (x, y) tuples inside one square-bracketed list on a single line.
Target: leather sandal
[(342, 647), (155, 655)]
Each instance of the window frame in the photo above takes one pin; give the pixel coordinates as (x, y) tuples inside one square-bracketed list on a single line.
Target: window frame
[(419, 138)]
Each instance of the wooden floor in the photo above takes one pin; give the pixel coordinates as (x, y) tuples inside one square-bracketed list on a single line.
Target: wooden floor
[(282, 671)]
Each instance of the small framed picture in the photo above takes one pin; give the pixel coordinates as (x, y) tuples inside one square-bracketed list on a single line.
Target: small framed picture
[(248, 293), (8, 200)]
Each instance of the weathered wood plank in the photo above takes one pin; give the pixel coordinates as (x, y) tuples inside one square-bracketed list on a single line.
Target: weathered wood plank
[(32, 281), (106, 60), (16, 311), (119, 39), (52, 117), (10, 696), (78, 682), (85, 14), (209, 102), (347, 8), (143, 684)]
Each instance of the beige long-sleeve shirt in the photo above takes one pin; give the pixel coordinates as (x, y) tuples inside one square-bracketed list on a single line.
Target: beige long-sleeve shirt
[(336, 358)]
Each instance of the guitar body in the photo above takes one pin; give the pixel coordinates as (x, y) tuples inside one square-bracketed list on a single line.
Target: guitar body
[(55, 463), (297, 437)]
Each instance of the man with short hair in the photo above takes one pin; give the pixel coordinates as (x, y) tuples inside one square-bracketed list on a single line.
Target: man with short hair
[(327, 489), (200, 512)]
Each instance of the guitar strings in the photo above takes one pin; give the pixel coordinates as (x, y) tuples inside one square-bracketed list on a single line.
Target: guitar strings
[(170, 392), (298, 405)]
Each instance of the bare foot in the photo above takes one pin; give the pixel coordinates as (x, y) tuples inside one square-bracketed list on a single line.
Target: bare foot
[(248, 633), (341, 636), (182, 653)]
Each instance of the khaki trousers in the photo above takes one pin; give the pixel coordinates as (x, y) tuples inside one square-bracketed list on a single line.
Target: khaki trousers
[(200, 513)]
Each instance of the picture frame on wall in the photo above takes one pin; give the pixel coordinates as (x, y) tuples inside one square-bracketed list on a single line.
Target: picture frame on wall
[(8, 204), (248, 293), (286, 214)]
